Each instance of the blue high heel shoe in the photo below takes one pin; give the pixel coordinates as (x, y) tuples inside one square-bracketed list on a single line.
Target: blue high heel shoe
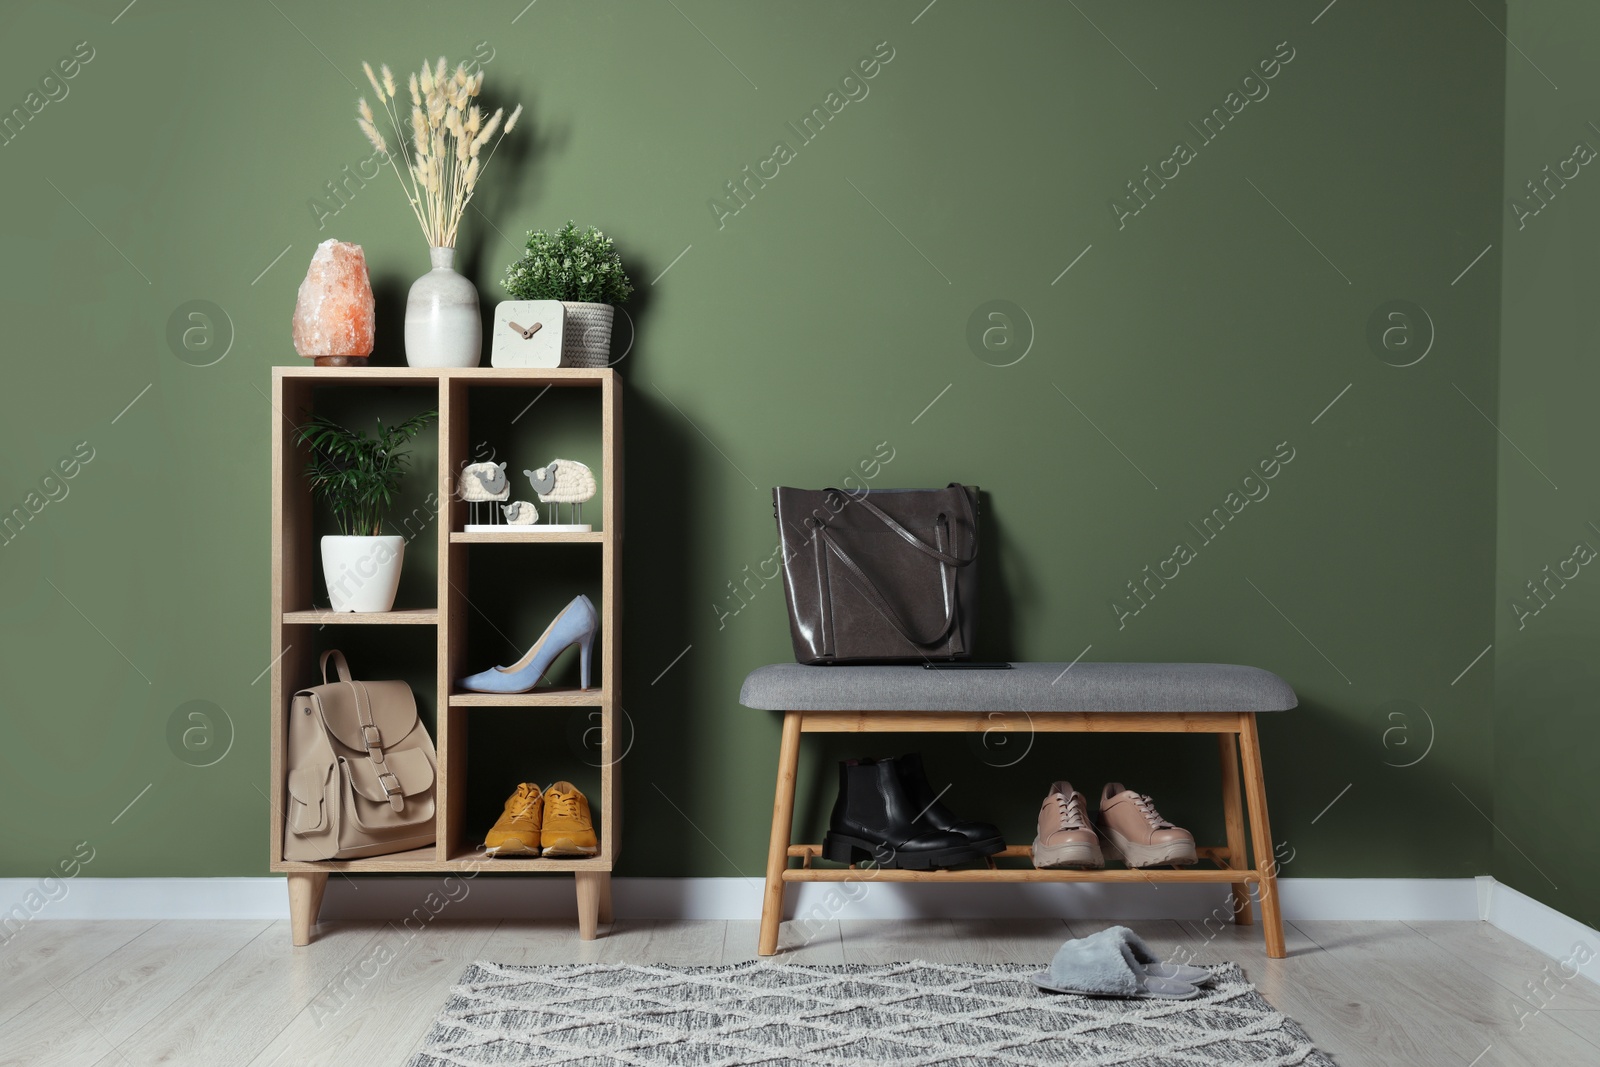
[(575, 625)]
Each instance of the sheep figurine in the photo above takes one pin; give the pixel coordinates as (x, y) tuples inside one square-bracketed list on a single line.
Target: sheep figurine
[(520, 513), (563, 481), (482, 483)]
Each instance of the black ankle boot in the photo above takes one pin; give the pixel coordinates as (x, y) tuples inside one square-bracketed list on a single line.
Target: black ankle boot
[(873, 820), (983, 836)]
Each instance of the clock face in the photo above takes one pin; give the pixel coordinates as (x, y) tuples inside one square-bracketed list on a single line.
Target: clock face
[(527, 333)]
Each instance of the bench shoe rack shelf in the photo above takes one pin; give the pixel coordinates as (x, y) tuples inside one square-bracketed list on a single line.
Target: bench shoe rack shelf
[(300, 631)]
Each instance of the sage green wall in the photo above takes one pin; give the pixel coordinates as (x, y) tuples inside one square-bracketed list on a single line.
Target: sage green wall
[(825, 321), (1547, 736)]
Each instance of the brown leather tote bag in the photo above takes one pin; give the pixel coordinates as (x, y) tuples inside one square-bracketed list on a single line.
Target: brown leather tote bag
[(360, 767), (883, 576)]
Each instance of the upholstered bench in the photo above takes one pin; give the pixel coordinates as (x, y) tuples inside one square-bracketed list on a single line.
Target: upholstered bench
[(1188, 698)]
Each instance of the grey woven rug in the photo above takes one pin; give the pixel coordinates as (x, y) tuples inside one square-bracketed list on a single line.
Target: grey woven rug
[(885, 1015)]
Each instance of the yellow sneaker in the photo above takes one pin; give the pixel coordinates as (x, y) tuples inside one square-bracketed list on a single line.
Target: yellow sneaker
[(516, 831), (568, 830)]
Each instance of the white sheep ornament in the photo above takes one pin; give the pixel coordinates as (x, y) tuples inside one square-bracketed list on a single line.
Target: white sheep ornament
[(483, 483), (521, 513), (563, 481)]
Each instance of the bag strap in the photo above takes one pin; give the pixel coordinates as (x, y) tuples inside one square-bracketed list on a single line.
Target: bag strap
[(339, 664), (915, 541), (372, 739), (870, 589)]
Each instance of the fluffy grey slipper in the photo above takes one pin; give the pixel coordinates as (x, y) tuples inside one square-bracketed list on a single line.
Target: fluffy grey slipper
[(1153, 965), (1104, 965)]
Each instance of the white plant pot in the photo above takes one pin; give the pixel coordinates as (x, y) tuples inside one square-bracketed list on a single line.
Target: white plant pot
[(362, 573), (443, 327)]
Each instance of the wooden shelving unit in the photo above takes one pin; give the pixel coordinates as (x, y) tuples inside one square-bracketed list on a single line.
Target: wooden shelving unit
[(297, 637)]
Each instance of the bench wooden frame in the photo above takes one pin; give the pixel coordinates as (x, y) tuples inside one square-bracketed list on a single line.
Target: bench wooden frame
[(1238, 740)]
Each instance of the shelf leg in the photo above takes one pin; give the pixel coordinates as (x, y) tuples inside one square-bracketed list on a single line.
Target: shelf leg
[(590, 889), (782, 829), (305, 900), (605, 898), (1233, 815), (1255, 788)]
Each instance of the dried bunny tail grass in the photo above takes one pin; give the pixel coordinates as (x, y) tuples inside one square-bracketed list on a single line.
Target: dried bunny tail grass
[(488, 131), (373, 135), (419, 131), (447, 131)]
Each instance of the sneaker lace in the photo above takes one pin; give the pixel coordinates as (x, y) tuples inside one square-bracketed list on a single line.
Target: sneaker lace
[(524, 808), (1070, 811), (1147, 808), (562, 805)]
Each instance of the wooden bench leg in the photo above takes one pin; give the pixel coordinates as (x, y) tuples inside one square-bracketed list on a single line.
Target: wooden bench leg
[(782, 828), (305, 900), (1255, 788), (1233, 814)]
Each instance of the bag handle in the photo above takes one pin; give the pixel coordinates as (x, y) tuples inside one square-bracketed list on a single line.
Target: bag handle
[(911, 538), (339, 664), (884, 608), (946, 583)]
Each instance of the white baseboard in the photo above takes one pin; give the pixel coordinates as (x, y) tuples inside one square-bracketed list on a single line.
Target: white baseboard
[(497, 896), (1557, 936), (1542, 927)]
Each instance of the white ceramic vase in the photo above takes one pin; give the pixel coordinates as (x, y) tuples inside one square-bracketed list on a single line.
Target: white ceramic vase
[(362, 573), (443, 328)]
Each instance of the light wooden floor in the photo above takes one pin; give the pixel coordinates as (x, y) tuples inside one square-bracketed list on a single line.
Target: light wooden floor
[(209, 994)]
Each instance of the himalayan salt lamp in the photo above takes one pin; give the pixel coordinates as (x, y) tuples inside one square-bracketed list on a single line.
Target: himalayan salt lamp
[(333, 315)]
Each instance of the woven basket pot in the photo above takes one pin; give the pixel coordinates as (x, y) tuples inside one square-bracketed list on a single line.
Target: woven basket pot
[(586, 338)]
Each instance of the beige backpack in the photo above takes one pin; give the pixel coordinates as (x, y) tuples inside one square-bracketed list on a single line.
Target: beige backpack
[(361, 770)]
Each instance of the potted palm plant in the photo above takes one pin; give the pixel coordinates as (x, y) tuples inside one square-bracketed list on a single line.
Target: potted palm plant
[(357, 476), (582, 270)]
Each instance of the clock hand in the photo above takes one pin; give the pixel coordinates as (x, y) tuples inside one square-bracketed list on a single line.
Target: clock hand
[(529, 332)]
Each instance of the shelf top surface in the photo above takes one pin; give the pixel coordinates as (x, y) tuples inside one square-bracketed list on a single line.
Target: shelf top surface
[(398, 616), (429, 375), (508, 537)]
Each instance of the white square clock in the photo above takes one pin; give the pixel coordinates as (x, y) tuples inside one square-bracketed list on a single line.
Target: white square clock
[(527, 333)]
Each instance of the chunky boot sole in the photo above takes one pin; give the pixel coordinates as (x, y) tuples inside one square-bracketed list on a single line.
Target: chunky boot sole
[(1179, 854), (1049, 857), (989, 846), (842, 848)]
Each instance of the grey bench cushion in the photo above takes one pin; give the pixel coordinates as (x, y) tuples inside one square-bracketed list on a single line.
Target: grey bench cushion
[(1027, 687)]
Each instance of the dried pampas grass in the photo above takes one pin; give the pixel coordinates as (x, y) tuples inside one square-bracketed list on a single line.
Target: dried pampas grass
[(447, 134)]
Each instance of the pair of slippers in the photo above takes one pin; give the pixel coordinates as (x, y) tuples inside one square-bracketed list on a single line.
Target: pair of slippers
[(1117, 963)]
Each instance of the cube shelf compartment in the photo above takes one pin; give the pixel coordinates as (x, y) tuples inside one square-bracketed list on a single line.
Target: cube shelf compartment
[(296, 626)]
